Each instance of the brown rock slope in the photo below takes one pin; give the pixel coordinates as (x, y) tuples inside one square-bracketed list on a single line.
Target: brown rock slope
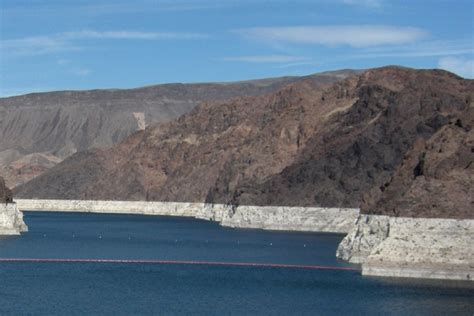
[(182, 160), (5, 193), (39, 130), (304, 145), (436, 178), (361, 147)]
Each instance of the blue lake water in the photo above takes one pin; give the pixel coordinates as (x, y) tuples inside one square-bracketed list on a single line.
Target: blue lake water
[(162, 289)]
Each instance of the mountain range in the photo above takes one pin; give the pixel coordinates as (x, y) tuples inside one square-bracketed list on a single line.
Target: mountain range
[(391, 140), (39, 130)]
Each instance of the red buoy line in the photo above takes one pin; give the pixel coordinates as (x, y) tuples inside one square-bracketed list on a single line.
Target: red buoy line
[(176, 262)]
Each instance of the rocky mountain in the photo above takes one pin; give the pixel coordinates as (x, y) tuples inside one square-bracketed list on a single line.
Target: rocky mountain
[(5, 193), (185, 158), (39, 130), (306, 144), (362, 147), (436, 177)]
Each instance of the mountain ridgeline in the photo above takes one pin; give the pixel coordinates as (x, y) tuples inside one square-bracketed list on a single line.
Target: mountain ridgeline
[(39, 130), (387, 139)]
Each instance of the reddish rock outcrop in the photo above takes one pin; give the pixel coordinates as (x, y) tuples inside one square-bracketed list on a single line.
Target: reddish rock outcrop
[(309, 144), (361, 148), (39, 130)]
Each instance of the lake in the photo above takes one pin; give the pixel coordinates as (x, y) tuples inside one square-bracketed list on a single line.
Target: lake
[(145, 288)]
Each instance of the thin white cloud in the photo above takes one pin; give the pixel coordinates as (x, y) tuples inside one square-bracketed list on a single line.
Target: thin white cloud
[(299, 64), (265, 58), (69, 67), (335, 35), (106, 7), (462, 66), (454, 50), (421, 49), (365, 3), (46, 8), (82, 72), (68, 41), (63, 62), (35, 45), (130, 35)]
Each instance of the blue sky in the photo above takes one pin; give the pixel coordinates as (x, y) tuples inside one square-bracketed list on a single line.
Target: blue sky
[(87, 44)]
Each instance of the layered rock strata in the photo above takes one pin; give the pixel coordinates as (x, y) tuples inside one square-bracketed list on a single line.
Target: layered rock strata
[(315, 219), (433, 248)]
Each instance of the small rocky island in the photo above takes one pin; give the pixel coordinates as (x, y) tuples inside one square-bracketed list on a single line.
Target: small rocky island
[(11, 219)]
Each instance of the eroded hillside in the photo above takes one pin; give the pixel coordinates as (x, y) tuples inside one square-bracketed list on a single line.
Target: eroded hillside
[(307, 144), (37, 131)]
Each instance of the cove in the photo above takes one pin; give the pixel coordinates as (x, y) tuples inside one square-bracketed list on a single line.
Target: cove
[(123, 288)]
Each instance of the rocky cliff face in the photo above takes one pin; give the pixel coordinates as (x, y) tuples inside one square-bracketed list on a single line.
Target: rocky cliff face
[(5, 193), (432, 248), (360, 148), (436, 177), (11, 219), (188, 159), (305, 145), (37, 131)]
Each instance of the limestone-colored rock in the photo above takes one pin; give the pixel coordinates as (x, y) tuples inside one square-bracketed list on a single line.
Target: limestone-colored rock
[(368, 232), (11, 220), (316, 219), (411, 247), (426, 248)]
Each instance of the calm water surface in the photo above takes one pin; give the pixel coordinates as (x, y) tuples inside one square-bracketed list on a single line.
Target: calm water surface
[(124, 289)]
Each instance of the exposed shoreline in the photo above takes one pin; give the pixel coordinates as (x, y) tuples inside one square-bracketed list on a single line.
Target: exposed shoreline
[(11, 220), (310, 219), (428, 248)]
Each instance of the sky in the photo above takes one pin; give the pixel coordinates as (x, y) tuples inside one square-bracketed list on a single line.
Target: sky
[(91, 44)]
